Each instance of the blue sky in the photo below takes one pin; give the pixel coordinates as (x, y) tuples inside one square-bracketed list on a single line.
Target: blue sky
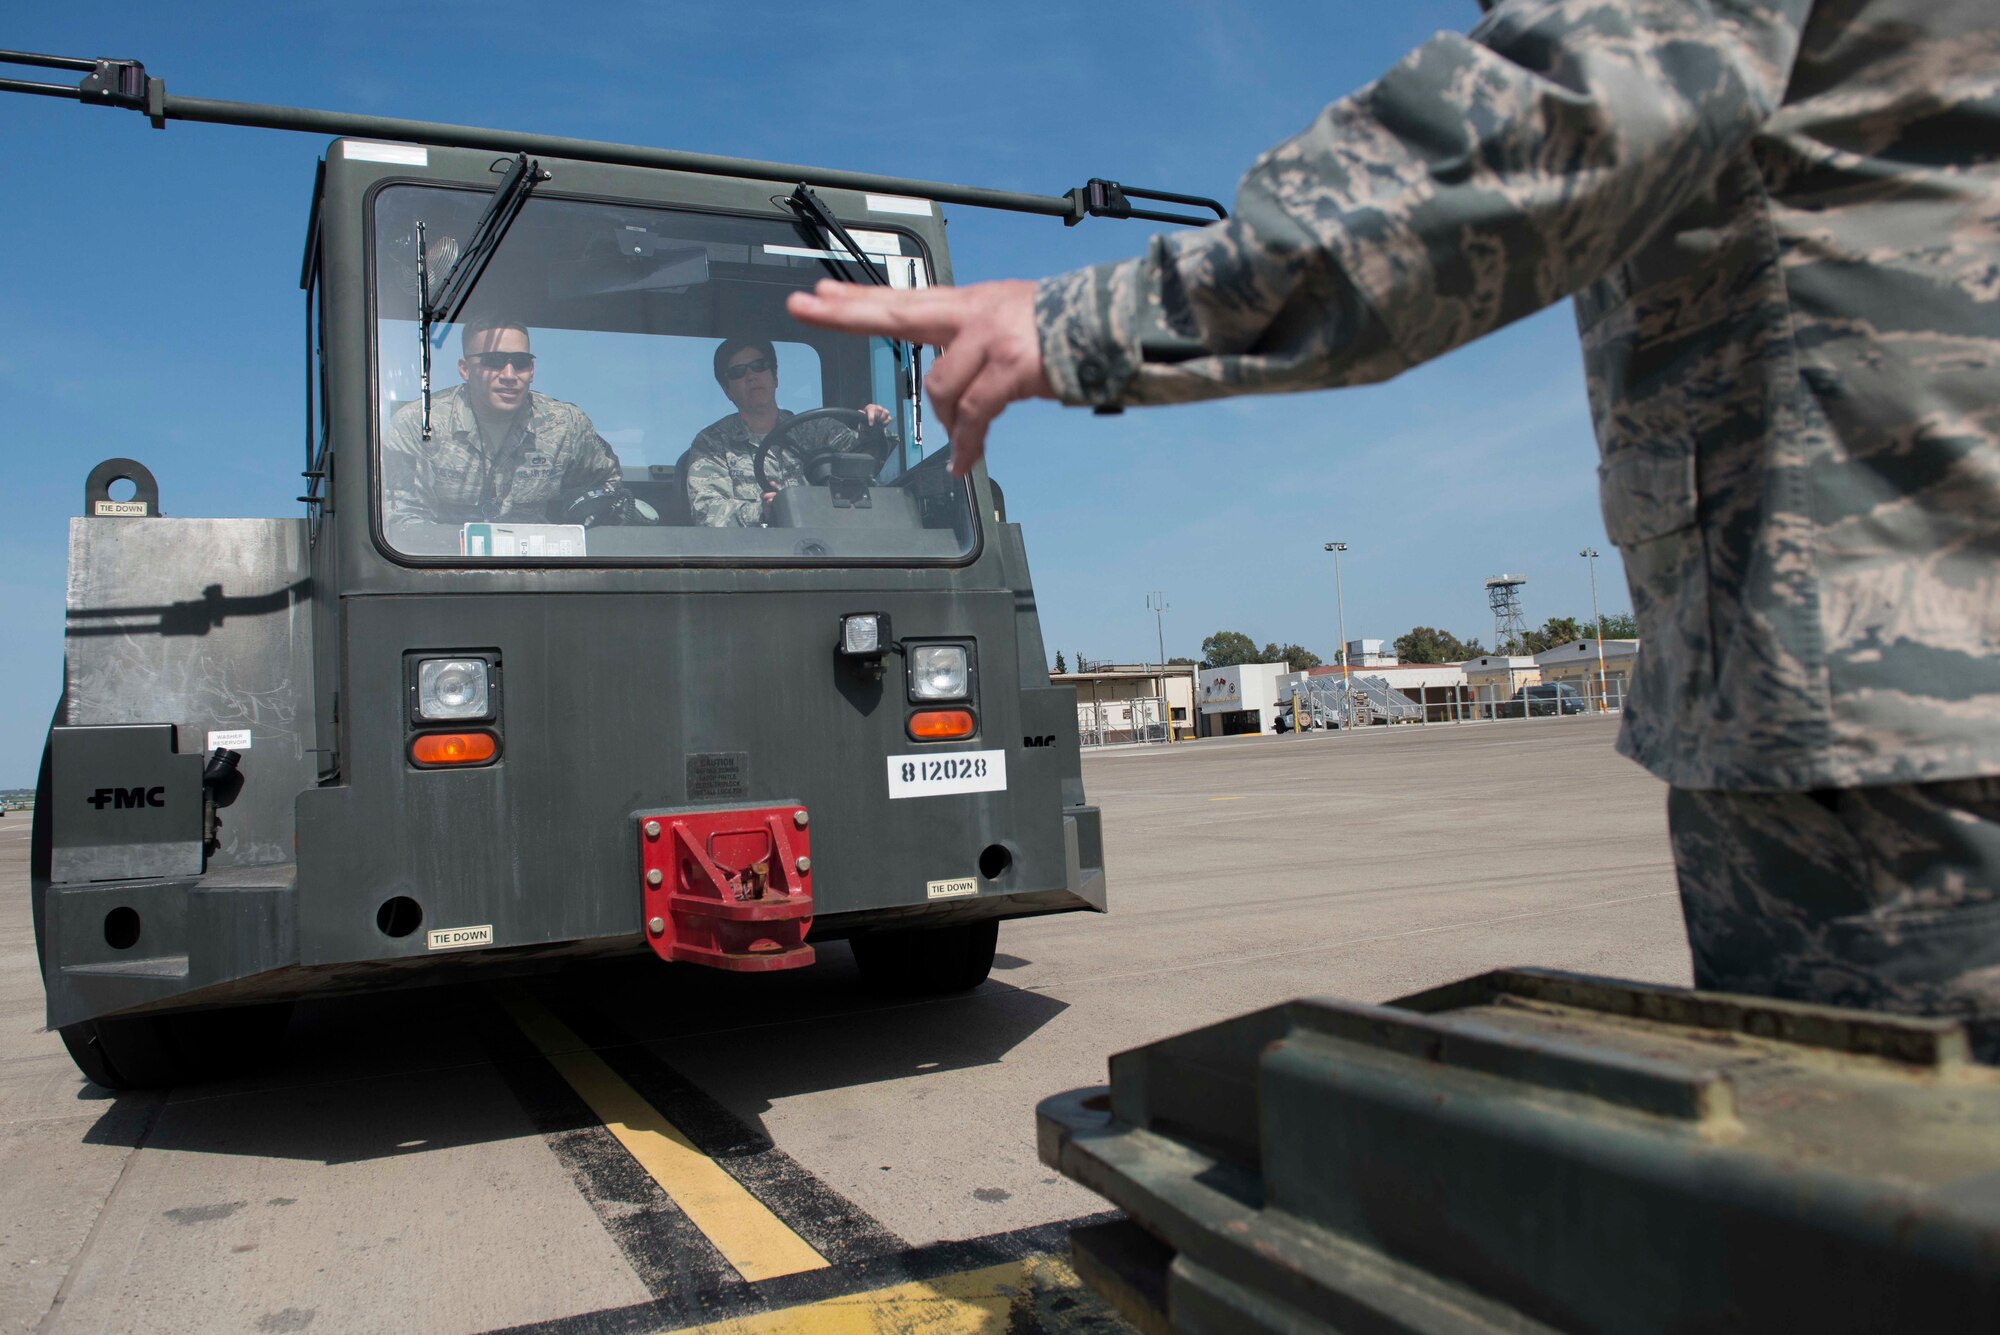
[(149, 303)]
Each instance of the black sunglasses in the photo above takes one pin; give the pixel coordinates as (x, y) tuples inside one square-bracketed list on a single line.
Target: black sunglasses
[(757, 367), (500, 361)]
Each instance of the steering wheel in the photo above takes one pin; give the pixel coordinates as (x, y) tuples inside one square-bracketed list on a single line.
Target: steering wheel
[(778, 438), (602, 506)]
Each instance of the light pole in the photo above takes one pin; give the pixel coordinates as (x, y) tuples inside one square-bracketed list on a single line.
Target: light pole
[(1158, 603), (1603, 694), (1346, 668)]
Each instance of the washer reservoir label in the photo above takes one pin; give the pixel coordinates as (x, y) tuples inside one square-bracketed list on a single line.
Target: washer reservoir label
[(451, 938), (955, 772), (952, 889)]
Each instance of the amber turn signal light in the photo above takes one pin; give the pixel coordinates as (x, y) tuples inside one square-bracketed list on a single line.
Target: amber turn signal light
[(433, 749), (941, 725)]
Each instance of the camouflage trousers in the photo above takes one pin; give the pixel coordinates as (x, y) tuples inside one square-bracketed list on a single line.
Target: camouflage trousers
[(1883, 898)]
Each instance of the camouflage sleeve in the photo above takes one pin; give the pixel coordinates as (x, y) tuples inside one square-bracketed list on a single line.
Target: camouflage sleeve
[(409, 511), (593, 461), (1483, 178), (712, 495), (821, 437)]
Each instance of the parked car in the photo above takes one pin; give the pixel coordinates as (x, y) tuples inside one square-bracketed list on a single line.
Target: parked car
[(1543, 700)]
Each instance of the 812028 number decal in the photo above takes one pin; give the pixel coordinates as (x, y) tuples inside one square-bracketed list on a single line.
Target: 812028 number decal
[(954, 772)]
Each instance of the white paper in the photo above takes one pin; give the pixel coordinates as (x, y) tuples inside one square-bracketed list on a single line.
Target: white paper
[(916, 208), (404, 155), (873, 244), (484, 539), (233, 739), (938, 773)]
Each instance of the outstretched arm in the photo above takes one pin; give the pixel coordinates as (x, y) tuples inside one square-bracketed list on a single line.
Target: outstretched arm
[(992, 355), (1481, 179)]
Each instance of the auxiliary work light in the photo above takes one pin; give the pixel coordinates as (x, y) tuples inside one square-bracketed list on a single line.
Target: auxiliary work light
[(864, 634)]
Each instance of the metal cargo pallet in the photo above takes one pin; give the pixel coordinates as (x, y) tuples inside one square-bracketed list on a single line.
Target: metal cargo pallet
[(1533, 1151)]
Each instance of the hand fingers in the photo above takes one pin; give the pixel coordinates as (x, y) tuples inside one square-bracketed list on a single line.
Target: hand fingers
[(951, 372), (978, 404), (967, 449), (928, 315)]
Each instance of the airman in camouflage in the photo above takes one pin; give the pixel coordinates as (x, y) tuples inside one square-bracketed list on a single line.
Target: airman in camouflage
[(721, 482), (1780, 220), (498, 451)]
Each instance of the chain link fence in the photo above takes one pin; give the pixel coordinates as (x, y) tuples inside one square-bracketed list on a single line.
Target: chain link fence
[(1327, 702), (1122, 722)]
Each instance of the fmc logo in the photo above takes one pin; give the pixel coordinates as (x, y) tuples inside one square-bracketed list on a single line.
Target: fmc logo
[(125, 799)]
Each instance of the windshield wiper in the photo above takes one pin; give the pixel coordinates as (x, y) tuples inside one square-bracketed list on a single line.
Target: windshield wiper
[(464, 275), (812, 208)]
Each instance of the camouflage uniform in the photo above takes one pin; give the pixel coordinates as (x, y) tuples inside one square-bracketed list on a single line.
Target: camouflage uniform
[(1781, 224), (431, 487), (1876, 897), (722, 485)]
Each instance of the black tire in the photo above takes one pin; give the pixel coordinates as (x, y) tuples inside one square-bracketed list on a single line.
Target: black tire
[(155, 1051), (928, 961)]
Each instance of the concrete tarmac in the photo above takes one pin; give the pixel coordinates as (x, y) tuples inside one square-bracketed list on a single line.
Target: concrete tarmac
[(412, 1161)]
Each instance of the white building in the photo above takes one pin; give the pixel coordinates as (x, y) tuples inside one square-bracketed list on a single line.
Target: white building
[(1240, 698), (1370, 653), (1123, 702), (1576, 662), (1494, 678)]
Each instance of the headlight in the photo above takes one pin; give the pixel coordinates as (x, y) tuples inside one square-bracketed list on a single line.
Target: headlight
[(452, 688), (937, 672)]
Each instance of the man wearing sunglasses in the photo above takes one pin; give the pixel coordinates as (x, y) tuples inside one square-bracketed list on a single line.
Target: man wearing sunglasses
[(722, 487), (498, 450)]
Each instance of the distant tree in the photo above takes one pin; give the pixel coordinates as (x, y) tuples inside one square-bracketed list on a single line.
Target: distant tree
[(1300, 659), (1554, 631), (1617, 626), (1060, 666), (1428, 644), (1226, 648), (1182, 662)]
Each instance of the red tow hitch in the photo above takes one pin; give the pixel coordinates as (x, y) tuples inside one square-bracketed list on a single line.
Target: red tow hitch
[(729, 889)]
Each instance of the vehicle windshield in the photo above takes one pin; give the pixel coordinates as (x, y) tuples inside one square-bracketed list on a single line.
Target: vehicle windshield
[(624, 384)]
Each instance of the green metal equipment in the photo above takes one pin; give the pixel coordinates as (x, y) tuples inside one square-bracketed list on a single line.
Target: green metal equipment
[(1533, 1151)]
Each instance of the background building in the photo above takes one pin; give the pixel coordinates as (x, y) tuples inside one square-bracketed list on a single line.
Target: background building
[(1240, 698), (1370, 653), (1132, 702), (1495, 677), (1576, 663)]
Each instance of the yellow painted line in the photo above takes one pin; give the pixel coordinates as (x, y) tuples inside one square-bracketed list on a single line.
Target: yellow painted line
[(1229, 799), (758, 1243), (1040, 1293)]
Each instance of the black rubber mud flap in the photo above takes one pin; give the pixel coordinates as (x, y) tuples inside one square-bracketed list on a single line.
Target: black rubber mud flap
[(927, 961), (155, 1051)]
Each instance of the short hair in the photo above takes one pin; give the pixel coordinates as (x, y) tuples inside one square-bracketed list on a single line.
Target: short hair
[(479, 324), (731, 346)]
